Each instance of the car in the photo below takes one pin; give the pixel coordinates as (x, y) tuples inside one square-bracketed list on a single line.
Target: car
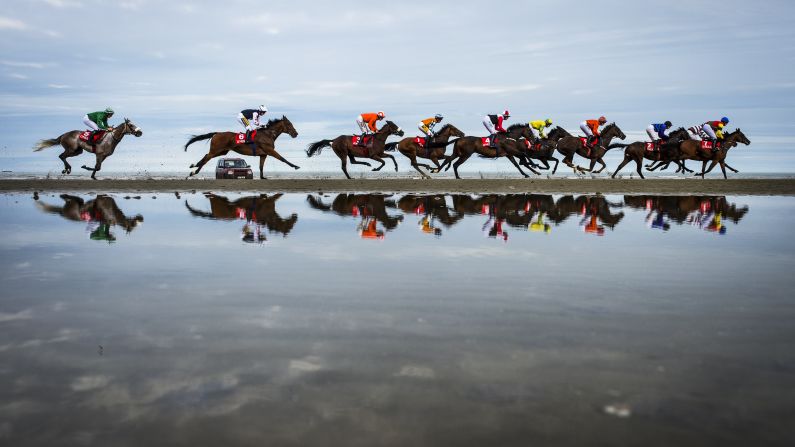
[(233, 168)]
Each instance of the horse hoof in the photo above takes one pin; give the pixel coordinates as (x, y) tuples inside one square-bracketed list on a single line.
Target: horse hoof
[(63, 172), (296, 167)]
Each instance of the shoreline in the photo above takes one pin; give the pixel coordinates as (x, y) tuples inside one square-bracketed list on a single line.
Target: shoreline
[(779, 187)]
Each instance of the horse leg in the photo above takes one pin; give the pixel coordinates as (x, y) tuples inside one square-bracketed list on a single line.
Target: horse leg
[(639, 161), (731, 168), (393, 160), (459, 162), (67, 168), (354, 162), (416, 166), (556, 164), (380, 160), (622, 164), (703, 169), (601, 162), (97, 166), (510, 157), (344, 163), (435, 161), (279, 157), (262, 166), (201, 163)]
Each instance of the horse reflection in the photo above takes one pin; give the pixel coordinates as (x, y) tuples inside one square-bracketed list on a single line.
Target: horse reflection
[(433, 209), (706, 212), (371, 208), (100, 213), (259, 212)]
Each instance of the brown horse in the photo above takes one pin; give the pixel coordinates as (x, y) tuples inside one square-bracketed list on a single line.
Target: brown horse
[(103, 149), (570, 145), (262, 146), (508, 145), (433, 150), (345, 150), (259, 209), (543, 149), (637, 151), (691, 150), (102, 210)]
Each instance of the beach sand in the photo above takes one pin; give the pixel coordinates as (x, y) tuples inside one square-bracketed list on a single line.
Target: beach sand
[(604, 186)]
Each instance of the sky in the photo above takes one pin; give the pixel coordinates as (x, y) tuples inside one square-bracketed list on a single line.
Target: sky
[(180, 68)]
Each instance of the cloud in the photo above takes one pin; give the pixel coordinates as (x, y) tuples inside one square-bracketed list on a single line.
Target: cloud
[(12, 24), (22, 315), (86, 383), (17, 76), (59, 86), (64, 3), (18, 64)]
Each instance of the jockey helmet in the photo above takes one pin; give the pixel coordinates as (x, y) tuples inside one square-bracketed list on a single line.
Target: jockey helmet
[(263, 109), (668, 124), (438, 117), (602, 120), (548, 122), (109, 111), (381, 115), (506, 114), (724, 120)]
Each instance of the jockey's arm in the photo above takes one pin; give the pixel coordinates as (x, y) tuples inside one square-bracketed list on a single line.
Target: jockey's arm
[(372, 126)]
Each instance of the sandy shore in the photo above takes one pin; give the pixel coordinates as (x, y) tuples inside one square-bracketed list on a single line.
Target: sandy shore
[(605, 186)]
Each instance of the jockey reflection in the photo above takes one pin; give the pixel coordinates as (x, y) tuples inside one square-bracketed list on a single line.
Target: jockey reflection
[(100, 214)]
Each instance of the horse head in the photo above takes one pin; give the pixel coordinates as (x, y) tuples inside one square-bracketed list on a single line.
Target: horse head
[(130, 128), (740, 137), (612, 130), (520, 130), (391, 128), (557, 133), (281, 125), (450, 131), (679, 134)]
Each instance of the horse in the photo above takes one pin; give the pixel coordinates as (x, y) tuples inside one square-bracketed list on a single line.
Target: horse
[(434, 148), (102, 209), (259, 209), (73, 145), (343, 147), (507, 146), (263, 144), (691, 150), (543, 148), (569, 145), (667, 151)]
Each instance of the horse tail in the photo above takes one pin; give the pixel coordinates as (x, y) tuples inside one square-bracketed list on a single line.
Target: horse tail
[(199, 138), (44, 144), (315, 148), (615, 145), (390, 147)]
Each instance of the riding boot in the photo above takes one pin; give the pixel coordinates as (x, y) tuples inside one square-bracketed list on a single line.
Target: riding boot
[(589, 141), (492, 138), (248, 136)]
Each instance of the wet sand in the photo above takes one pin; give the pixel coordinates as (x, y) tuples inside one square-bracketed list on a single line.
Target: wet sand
[(585, 185)]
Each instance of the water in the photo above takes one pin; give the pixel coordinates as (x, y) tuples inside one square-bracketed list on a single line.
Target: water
[(298, 319)]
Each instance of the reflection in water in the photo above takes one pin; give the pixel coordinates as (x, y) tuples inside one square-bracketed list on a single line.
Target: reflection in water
[(436, 336), (259, 213), (371, 208), (100, 213)]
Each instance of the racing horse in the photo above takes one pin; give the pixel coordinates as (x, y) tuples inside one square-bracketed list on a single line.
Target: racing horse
[(263, 144), (433, 150), (103, 149), (544, 149), (570, 145), (668, 150), (345, 149), (691, 150), (508, 145)]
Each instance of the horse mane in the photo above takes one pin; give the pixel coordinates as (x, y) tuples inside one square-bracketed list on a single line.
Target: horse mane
[(516, 126), (445, 127), (272, 122)]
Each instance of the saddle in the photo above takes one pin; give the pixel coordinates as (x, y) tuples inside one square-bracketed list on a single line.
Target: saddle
[(362, 141), (531, 146), (241, 138), (587, 147), (92, 140), (708, 145), (654, 146)]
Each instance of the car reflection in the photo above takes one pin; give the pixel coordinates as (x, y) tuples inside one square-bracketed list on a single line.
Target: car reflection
[(101, 214), (705, 212), (258, 212), (370, 208)]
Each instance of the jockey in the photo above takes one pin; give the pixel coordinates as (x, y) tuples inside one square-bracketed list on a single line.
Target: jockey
[(427, 125), (97, 121), (493, 124), (249, 118), (366, 122), (657, 131), (715, 128), (591, 128), (695, 132), (538, 126)]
